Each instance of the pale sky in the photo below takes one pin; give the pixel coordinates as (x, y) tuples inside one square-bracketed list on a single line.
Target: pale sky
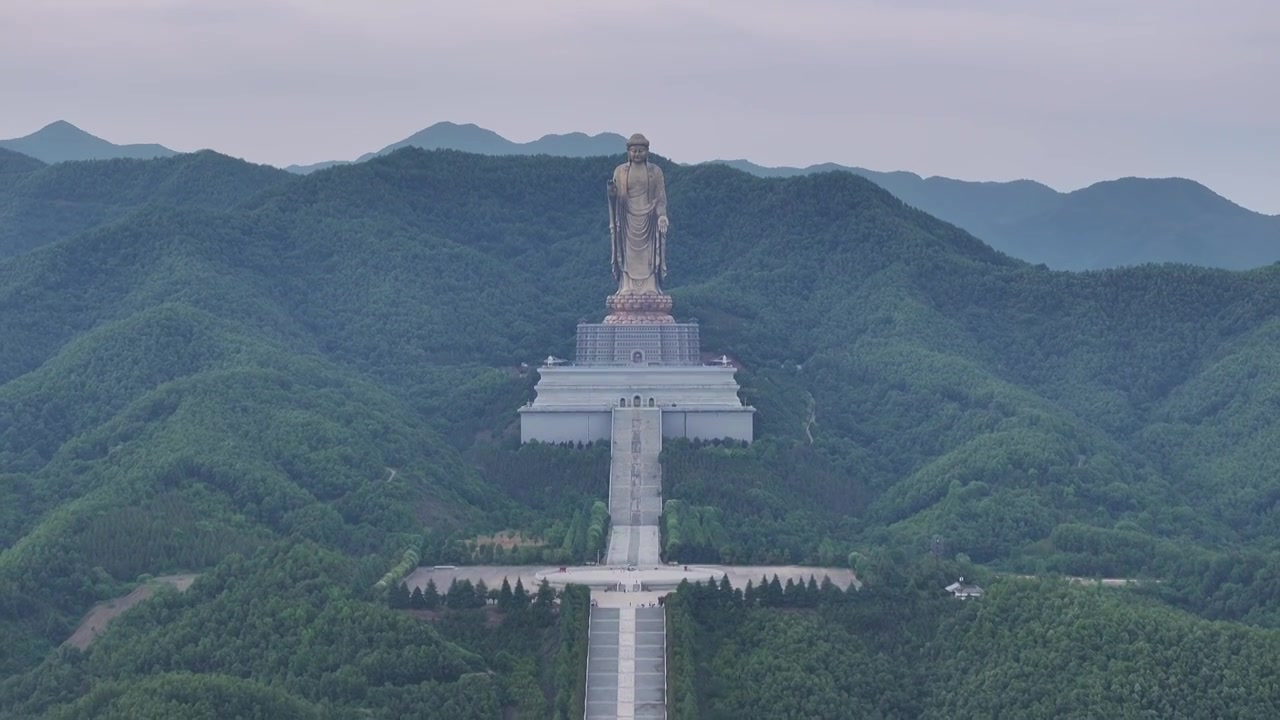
[(1067, 92)]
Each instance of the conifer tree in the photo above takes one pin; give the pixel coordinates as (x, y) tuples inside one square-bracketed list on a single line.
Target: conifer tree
[(790, 596), (545, 595), (828, 593), (505, 596), (416, 600), (431, 596), (454, 599), (773, 596), (398, 598), (520, 596), (726, 591)]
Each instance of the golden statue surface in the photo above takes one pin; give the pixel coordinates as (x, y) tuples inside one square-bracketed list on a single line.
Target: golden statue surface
[(638, 233)]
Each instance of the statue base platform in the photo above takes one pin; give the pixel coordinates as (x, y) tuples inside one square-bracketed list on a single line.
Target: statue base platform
[(633, 308), (638, 344), (576, 403)]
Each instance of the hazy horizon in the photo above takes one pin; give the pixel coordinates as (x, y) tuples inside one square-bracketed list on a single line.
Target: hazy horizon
[(1064, 93)]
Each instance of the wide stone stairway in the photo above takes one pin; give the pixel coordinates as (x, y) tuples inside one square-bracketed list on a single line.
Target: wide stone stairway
[(626, 659), (626, 663), (635, 487)]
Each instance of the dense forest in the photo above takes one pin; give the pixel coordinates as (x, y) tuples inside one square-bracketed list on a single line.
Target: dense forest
[(286, 629), (899, 648), (212, 358)]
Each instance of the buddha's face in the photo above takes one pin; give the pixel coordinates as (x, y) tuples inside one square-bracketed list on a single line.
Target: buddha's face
[(637, 153)]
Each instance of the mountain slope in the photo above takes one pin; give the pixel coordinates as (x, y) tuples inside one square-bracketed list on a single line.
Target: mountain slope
[(1130, 221), (474, 139), (255, 369), (13, 162), (14, 167), (967, 204), (61, 200), (1136, 220), (61, 141), (894, 297)]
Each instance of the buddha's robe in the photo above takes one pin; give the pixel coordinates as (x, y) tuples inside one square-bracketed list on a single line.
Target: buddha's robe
[(639, 253)]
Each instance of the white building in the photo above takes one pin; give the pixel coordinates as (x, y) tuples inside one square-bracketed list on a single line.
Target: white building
[(575, 403), (964, 591)]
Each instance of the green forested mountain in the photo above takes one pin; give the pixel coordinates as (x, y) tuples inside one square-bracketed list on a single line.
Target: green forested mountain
[(15, 164), (315, 651), (61, 141), (1137, 220), (1129, 221), (901, 648), (335, 360), (474, 139), (40, 204)]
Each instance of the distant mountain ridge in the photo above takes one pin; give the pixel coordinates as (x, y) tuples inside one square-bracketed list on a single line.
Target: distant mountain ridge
[(475, 139), (1129, 221), (61, 141)]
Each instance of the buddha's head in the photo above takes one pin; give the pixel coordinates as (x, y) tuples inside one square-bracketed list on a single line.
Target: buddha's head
[(637, 148)]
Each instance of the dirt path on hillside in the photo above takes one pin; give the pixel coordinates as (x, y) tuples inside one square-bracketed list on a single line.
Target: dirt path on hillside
[(813, 416), (95, 622)]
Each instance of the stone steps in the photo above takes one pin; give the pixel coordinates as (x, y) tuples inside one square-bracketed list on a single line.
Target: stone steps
[(635, 478), (626, 664), (626, 661)]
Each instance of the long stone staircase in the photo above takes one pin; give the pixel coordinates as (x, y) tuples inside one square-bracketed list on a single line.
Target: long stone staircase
[(627, 664), (627, 651), (635, 487)]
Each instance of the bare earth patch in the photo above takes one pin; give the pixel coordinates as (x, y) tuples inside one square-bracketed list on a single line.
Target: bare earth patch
[(95, 622)]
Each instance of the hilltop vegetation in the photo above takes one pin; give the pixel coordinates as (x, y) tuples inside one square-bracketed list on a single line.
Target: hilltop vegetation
[(900, 648), (222, 357), (283, 628), (1127, 221), (40, 204), (15, 163), (60, 141)]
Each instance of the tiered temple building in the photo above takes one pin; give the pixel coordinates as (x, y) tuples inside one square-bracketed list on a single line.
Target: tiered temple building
[(639, 357)]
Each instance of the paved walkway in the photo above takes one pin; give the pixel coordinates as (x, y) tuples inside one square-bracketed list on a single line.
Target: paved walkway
[(661, 578), (626, 664), (626, 657), (626, 660), (635, 487)]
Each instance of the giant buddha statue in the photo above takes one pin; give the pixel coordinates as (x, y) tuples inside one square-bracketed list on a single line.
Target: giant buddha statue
[(638, 231)]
